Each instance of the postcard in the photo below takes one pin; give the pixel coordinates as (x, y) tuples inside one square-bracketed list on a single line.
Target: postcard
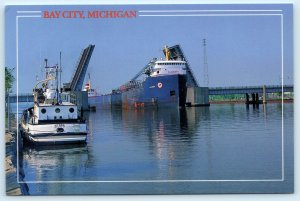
[(149, 99)]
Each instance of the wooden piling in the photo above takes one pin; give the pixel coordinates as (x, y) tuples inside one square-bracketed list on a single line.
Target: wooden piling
[(253, 98), (247, 98), (264, 95), (256, 99)]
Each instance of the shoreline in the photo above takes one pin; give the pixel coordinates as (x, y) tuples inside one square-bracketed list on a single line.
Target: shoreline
[(13, 188)]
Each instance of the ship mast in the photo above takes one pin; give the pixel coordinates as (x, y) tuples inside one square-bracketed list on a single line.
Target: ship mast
[(56, 77), (167, 53), (89, 82)]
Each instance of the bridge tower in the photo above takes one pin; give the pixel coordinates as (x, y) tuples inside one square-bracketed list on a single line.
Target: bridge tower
[(74, 87), (77, 79)]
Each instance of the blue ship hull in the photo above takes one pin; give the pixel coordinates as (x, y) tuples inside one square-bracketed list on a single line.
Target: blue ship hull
[(163, 91)]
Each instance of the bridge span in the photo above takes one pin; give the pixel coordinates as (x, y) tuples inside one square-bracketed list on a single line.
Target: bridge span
[(250, 89)]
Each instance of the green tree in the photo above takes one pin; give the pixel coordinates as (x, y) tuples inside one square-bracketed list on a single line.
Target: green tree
[(9, 78)]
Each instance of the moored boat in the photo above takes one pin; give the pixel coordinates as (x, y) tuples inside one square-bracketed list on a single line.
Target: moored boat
[(52, 119)]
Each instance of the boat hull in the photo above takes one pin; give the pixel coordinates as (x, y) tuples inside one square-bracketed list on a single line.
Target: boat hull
[(50, 134), (159, 92)]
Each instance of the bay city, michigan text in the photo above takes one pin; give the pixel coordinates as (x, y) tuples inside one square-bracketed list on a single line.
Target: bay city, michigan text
[(90, 14)]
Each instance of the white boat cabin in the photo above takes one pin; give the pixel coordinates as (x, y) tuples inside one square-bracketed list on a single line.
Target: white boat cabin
[(55, 112), (168, 67)]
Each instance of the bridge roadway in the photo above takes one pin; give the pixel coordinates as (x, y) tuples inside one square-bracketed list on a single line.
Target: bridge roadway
[(212, 91), (250, 89)]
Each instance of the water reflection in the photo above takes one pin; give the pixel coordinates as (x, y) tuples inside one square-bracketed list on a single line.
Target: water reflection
[(55, 163), (169, 135)]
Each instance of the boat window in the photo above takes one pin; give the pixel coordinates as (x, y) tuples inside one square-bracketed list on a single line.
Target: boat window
[(43, 110), (71, 110), (172, 93), (57, 110)]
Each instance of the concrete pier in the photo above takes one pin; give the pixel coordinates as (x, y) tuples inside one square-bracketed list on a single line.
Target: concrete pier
[(80, 98), (197, 96)]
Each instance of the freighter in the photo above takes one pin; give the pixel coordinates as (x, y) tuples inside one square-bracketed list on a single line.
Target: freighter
[(164, 85)]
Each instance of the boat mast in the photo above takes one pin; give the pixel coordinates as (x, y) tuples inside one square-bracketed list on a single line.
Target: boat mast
[(46, 68), (89, 82), (56, 76), (60, 70)]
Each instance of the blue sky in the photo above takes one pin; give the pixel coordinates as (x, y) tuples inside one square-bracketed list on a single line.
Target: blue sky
[(241, 50)]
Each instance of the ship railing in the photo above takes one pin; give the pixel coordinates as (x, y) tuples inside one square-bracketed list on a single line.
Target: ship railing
[(144, 69), (131, 84)]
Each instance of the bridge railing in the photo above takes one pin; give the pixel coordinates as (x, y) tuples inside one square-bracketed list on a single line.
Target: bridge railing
[(251, 87), (21, 97)]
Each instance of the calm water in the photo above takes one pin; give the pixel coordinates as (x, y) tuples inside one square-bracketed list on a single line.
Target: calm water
[(220, 149)]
